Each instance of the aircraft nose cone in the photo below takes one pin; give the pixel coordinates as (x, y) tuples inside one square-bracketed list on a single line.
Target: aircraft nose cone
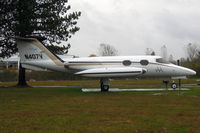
[(190, 71), (183, 71)]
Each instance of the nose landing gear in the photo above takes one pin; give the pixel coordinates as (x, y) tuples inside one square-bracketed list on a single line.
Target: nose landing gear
[(174, 85)]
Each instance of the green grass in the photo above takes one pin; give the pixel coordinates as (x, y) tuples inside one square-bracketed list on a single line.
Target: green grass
[(149, 83), (59, 110)]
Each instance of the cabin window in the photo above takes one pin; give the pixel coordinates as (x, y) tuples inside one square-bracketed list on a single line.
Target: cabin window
[(126, 62), (144, 62)]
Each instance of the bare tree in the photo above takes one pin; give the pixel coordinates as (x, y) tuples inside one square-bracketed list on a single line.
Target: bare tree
[(150, 51), (107, 50), (192, 51), (171, 58)]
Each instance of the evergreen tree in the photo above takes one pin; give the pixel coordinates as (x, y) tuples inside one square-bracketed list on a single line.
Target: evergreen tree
[(50, 19)]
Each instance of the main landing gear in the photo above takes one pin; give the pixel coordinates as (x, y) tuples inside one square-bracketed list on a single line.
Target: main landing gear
[(104, 84)]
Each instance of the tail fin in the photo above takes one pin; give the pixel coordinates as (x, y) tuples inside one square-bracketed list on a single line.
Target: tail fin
[(31, 50)]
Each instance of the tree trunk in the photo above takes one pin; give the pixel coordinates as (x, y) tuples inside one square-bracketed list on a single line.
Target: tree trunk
[(21, 77)]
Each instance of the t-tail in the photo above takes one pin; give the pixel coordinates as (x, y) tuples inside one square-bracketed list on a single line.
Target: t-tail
[(35, 56)]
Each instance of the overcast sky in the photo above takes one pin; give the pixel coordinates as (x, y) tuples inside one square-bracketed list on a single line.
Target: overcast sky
[(131, 26)]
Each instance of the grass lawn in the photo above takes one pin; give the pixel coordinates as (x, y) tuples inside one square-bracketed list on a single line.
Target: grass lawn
[(148, 83), (59, 110)]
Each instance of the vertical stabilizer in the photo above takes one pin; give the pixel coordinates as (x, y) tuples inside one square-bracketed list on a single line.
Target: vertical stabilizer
[(30, 49), (35, 56)]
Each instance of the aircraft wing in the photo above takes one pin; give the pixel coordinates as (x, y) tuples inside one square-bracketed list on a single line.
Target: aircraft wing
[(112, 72)]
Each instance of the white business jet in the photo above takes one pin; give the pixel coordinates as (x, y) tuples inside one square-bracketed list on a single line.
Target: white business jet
[(35, 56)]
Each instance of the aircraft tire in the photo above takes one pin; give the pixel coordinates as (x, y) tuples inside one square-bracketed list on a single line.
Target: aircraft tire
[(104, 88), (174, 86)]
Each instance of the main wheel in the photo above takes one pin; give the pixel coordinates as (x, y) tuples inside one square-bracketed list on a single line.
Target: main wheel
[(104, 88), (174, 86)]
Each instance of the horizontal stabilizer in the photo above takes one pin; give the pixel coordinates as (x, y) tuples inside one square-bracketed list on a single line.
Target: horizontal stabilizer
[(35, 68)]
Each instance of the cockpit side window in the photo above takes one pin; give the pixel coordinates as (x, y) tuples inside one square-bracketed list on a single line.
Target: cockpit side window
[(144, 62), (161, 60)]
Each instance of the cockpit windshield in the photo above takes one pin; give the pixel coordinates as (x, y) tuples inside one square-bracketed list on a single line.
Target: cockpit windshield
[(161, 60)]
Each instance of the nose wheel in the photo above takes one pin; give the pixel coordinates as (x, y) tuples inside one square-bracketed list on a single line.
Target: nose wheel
[(174, 86), (104, 84)]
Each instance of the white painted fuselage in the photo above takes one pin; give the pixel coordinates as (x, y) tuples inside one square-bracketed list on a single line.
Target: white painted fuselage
[(34, 55), (114, 66), (153, 68)]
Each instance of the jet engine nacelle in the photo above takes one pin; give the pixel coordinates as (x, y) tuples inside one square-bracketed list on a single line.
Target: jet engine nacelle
[(112, 72)]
